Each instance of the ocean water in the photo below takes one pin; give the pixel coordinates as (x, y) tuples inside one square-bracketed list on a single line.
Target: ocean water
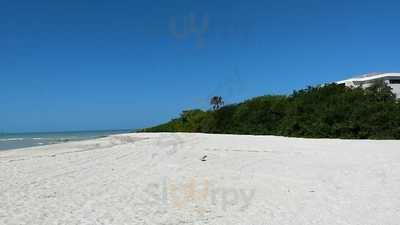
[(23, 140)]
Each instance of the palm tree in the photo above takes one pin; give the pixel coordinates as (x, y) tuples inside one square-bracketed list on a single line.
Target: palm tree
[(216, 102)]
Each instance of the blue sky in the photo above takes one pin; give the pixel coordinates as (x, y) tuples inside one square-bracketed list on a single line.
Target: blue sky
[(83, 65)]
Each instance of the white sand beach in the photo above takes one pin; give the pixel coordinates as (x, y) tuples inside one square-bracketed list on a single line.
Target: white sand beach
[(149, 178)]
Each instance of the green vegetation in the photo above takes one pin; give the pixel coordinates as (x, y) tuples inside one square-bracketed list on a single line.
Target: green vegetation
[(329, 111)]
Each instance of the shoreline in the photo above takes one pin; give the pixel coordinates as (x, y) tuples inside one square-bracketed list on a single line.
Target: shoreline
[(11, 141)]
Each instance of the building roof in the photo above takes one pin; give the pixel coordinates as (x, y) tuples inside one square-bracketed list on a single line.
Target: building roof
[(370, 76)]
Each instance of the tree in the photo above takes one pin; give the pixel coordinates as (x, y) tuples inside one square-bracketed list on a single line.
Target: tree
[(381, 91), (216, 102)]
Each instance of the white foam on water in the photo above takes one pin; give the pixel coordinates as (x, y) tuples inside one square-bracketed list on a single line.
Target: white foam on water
[(12, 139)]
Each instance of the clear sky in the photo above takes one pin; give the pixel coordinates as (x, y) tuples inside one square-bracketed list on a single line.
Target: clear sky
[(83, 65)]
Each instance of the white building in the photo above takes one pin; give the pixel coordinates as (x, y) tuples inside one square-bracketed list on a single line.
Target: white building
[(365, 81)]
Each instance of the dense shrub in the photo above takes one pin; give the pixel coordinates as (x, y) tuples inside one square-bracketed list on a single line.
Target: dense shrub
[(329, 111)]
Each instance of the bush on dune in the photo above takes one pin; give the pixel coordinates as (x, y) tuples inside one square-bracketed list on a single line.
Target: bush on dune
[(329, 111)]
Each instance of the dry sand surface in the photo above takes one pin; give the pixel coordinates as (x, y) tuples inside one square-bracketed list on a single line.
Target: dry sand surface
[(148, 178)]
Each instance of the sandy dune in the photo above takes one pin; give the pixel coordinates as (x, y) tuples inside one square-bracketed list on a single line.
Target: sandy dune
[(161, 179)]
